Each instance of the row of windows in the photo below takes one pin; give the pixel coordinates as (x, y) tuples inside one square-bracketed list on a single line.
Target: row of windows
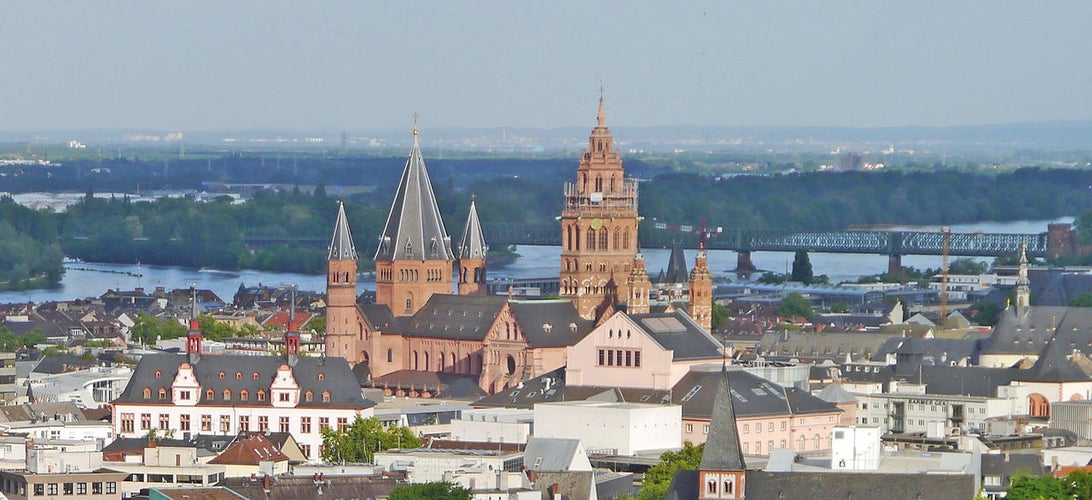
[(619, 357), (596, 240), (97, 488), (921, 407), (758, 427), (184, 425), (244, 395)]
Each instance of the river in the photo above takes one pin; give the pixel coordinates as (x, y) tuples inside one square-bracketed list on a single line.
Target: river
[(85, 279)]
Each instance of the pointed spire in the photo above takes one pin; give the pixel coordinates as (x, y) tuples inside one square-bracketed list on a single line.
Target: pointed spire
[(1023, 284), (341, 245), (602, 116), (722, 450), (414, 228), (473, 244)]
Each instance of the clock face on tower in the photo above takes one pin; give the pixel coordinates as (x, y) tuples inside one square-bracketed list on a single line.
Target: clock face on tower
[(596, 224)]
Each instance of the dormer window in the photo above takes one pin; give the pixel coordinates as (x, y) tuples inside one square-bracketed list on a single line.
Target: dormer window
[(244, 395), (308, 396), (321, 376), (238, 375), (325, 396), (209, 394), (255, 376), (147, 393), (261, 395), (162, 393), (158, 374), (227, 394), (221, 375)]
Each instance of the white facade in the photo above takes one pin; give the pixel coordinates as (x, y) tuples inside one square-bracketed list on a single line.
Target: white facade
[(855, 447), (913, 412), (429, 465), (500, 425), (612, 428), (84, 430)]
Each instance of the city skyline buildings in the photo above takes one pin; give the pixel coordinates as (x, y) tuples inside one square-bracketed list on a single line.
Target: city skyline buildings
[(360, 67)]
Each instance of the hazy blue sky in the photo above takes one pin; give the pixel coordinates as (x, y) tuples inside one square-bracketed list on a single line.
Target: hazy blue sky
[(360, 66)]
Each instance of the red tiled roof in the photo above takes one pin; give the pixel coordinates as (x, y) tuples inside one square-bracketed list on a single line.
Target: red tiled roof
[(250, 451)]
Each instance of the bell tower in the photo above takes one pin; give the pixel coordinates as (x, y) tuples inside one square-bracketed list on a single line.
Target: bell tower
[(414, 259), (598, 225), (341, 312), (472, 256), (701, 288)]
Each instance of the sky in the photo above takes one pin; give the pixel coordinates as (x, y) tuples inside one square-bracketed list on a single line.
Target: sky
[(370, 65)]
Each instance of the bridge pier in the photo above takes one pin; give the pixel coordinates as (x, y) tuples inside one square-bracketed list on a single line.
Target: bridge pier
[(894, 265), (743, 262), (1059, 240)]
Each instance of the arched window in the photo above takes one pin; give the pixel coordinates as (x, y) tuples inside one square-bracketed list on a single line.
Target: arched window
[(617, 240), (415, 365), (158, 374), (603, 238), (244, 395), (147, 393), (261, 395), (210, 395), (162, 393), (227, 394), (591, 239), (569, 237), (426, 360), (255, 376), (308, 396), (321, 376), (238, 375), (221, 375), (454, 368), (325, 396), (625, 239), (440, 362)]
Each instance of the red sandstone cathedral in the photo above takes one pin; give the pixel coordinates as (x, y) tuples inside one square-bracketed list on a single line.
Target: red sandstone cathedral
[(419, 333)]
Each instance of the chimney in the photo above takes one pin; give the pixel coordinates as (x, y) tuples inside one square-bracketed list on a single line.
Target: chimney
[(268, 483)]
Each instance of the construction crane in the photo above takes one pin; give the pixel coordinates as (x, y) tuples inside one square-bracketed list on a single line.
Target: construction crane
[(947, 232)]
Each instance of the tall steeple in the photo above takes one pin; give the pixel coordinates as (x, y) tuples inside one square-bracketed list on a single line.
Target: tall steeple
[(472, 256), (701, 288), (414, 258), (722, 472), (598, 225), (341, 290), (194, 337), (1023, 284)]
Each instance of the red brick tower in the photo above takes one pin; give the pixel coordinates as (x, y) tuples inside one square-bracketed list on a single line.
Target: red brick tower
[(639, 285), (701, 289), (472, 256), (414, 259), (341, 313), (598, 225)]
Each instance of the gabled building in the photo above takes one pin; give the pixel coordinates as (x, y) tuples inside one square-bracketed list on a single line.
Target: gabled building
[(195, 392)]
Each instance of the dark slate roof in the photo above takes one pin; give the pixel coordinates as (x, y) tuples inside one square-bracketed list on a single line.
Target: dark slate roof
[(1055, 365), (421, 380), (572, 485), (379, 316), (550, 323), (1056, 288), (1010, 464), (722, 451), (414, 228), (945, 380), (933, 351), (836, 485), (1029, 333), (337, 379), (341, 244), (676, 266), (455, 317), (753, 395), (551, 387), (62, 363), (550, 454), (472, 245), (287, 487), (677, 332), (833, 346)]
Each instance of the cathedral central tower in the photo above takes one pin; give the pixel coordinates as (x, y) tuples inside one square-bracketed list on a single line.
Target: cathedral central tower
[(598, 226)]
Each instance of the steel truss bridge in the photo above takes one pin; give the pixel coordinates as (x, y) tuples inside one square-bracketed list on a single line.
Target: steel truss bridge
[(893, 243)]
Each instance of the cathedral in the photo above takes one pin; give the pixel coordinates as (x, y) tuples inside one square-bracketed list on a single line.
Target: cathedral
[(431, 315)]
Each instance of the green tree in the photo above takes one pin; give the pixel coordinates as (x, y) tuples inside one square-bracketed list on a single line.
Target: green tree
[(839, 307), (9, 341), (720, 315), (801, 268), (658, 478), (1082, 300), (148, 329), (795, 305), (316, 323), (359, 442), (986, 313), (432, 491), (1025, 487), (773, 278), (967, 266)]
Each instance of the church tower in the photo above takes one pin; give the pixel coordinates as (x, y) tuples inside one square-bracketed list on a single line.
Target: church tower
[(341, 313), (1023, 284), (472, 256), (701, 289), (598, 225), (414, 259), (722, 473)]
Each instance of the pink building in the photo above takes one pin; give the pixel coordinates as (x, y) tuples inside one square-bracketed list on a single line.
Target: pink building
[(768, 415), (651, 351)]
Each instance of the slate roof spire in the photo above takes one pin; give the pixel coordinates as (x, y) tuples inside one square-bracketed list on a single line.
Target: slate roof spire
[(341, 245), (473, 244), (722, 450), (676, 265), (1023, 284), (414, 228)]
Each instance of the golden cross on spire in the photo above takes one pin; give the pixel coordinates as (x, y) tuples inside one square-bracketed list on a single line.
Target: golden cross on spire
[(415, 132)]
